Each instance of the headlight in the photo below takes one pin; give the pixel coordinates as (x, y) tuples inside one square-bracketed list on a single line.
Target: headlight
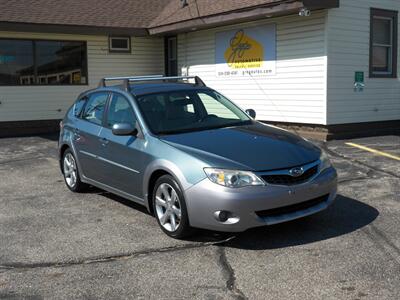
[(232, 178), (325, 162)]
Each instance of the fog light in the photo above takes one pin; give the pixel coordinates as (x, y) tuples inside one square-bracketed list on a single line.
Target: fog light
[(223, 216), (226, 217)]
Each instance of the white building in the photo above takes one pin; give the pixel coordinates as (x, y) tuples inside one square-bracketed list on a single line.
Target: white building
[(327, 67)]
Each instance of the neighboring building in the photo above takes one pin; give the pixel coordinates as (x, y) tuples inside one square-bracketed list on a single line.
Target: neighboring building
[(325, 66)]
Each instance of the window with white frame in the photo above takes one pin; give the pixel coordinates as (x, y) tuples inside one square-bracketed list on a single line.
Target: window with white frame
[(383, 44)]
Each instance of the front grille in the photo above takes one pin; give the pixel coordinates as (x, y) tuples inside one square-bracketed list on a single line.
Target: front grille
[(291, 208), (290, 180)]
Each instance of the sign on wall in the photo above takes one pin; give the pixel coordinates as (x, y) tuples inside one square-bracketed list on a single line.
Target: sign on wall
[(359, 82), (246, 52)]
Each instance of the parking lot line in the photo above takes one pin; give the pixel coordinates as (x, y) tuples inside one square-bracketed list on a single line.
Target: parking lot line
[(374, 151)]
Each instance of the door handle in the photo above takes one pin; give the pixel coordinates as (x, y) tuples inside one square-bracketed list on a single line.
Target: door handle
[(104, 141), (77, 135)]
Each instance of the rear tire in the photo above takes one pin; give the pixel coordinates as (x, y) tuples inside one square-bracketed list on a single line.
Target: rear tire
[(71, 173), (170, 208)]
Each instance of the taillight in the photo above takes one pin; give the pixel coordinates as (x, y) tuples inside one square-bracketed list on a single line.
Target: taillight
[(61, 125)]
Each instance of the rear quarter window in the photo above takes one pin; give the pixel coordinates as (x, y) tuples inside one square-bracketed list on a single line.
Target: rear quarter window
[(78, 106)]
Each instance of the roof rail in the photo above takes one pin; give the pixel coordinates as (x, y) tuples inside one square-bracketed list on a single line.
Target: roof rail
[(129, 79)]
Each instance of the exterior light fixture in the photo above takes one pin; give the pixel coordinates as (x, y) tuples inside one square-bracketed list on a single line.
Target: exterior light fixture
[(304, 12)]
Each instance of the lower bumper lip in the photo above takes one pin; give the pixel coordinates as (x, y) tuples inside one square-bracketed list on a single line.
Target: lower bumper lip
[(303, 212), (206, 198)]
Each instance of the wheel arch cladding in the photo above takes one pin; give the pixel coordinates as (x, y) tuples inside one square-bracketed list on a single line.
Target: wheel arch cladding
[(150, 187), (63, 148)]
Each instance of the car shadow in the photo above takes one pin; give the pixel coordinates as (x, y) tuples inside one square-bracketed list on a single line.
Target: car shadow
[(344, 216), (114, 197)]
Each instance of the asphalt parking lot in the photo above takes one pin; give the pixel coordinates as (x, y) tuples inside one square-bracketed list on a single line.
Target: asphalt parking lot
[(58, 245)]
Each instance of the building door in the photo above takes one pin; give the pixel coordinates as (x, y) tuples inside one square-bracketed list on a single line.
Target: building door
[(171, 56)]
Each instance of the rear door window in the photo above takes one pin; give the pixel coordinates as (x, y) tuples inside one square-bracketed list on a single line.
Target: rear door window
[(94, 109)]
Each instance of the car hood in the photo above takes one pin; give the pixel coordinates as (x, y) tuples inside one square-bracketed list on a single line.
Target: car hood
[(255, 147)]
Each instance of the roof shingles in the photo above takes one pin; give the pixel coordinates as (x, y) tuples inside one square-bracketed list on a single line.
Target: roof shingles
[(116, 13), (97, 13), (174, 13)]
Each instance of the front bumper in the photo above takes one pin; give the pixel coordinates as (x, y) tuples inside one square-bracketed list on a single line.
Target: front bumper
[(206, 198)]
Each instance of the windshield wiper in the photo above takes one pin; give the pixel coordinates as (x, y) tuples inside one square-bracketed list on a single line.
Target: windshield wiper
[(177, 131), (185, 130)]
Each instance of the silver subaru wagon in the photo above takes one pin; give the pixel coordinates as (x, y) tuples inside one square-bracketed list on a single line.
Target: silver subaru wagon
[(191, 156)]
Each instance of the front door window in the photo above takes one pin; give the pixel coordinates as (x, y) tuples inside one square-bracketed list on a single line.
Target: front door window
[(120, 111)]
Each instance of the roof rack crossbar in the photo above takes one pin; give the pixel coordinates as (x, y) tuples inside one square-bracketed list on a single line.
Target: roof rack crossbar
[(124, 78), (129, 79), (197, 79)]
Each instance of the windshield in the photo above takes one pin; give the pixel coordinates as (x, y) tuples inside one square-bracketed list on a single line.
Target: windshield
[(189, 110)]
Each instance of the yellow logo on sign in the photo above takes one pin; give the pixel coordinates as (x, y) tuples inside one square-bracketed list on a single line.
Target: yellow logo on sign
[(244, 52)]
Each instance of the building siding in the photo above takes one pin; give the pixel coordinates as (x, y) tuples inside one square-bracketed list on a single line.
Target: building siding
[(297, 93), (23, 103), (317, 57), (348, 34)]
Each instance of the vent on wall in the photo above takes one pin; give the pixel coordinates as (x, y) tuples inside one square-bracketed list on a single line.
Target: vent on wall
[(120, 44)]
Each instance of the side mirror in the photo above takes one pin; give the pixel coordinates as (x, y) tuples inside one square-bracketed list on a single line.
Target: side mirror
[(251, 113), (124, 129)]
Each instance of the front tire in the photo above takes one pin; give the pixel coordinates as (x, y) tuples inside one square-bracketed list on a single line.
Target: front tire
[(71, 173), (170, 208)]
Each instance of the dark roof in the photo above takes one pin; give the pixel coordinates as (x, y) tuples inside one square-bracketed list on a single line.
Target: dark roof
[(140, 89), (144, 88), (97, 13), (201, 14), (126, 16), (173, 11)]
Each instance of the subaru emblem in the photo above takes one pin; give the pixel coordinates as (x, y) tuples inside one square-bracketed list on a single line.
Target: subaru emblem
[(296, 172)]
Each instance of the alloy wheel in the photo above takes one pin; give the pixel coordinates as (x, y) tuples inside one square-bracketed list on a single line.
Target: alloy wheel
[(168, 207), (70, 170)]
